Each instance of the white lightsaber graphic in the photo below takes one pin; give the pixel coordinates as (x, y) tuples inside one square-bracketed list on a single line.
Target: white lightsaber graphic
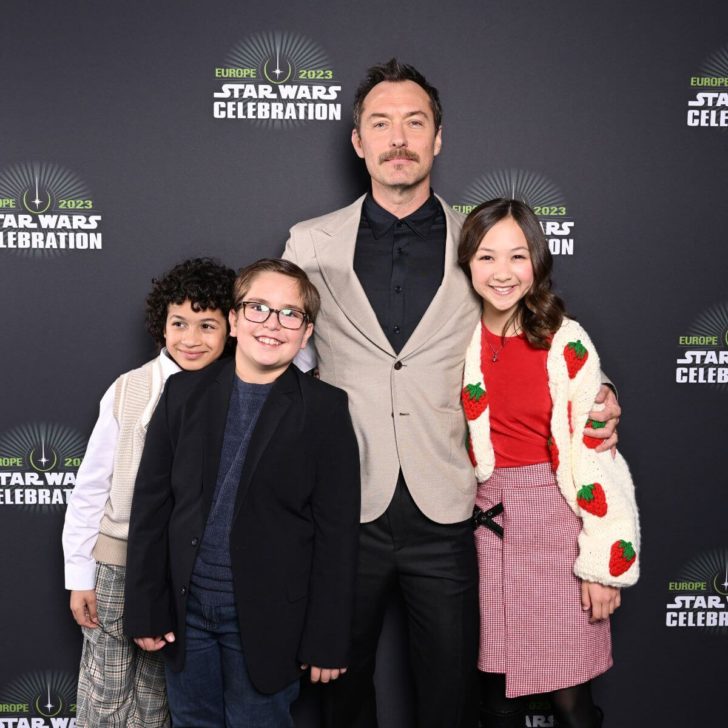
[(49, 705), (36, 201), (43, 458)]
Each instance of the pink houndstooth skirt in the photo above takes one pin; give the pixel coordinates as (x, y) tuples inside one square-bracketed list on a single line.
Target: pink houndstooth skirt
[(532, 626)]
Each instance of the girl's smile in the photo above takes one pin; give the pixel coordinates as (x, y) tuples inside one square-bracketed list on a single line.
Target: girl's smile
[(502, 272)]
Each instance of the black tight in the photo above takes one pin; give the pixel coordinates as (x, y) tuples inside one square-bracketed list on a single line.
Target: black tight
[(573, 707)]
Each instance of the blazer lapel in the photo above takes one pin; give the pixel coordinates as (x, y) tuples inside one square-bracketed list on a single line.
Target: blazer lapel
[(274, 410), (218, 400), (334, 243), (453, 294)]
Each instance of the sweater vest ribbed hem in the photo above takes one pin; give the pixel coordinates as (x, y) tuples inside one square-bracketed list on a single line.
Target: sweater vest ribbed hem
[(110, 550)]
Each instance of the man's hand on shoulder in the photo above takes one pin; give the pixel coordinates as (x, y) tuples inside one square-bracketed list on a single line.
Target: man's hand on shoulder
[(605, 416)]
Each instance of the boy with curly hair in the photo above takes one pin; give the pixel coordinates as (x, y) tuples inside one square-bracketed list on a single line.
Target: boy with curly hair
[(119, 684)]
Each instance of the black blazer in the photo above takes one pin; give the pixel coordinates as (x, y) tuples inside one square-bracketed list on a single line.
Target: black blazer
[(294, 535)]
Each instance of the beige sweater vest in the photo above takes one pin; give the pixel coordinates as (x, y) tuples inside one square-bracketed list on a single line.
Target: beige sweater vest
[(136, 395)]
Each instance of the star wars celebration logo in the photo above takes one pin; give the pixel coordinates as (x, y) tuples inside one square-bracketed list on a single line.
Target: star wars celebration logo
[(708, 105), (703, 355), (536, 191), (699, 596), (46, 210), (38, 465), (278, 80), (39, 700)]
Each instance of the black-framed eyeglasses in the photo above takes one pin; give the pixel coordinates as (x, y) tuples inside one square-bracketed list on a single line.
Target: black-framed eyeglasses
[(258, 313)]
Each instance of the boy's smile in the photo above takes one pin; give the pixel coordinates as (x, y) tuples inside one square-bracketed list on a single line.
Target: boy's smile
[(264, 350), (194, 339)]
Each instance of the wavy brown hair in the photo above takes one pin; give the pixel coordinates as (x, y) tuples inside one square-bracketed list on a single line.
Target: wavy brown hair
[(540, 311)]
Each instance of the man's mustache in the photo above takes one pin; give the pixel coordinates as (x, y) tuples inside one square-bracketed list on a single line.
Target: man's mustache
[(402, 153)]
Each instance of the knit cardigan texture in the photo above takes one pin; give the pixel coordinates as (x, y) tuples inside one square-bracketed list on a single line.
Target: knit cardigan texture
[(597, 487), (136, 395)]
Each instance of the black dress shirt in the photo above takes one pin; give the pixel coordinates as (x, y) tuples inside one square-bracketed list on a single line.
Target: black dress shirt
[(400, 264)]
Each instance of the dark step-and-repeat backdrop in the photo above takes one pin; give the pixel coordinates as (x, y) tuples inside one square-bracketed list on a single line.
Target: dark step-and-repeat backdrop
[(136, 134)]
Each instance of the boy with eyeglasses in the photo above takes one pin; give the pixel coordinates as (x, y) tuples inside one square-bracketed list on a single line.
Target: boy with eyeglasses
[(243, 536)]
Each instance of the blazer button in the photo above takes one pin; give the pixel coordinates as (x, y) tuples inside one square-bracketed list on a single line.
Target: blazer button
[(398, 365), (195, 541), (183, 590)]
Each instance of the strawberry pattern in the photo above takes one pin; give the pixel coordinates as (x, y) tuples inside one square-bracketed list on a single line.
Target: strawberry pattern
[(475, 400), (596, 486), (591, 498), (622, 556), (576, 355)]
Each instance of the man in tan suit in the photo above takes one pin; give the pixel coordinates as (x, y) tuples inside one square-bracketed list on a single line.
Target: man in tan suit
[(396, 316)]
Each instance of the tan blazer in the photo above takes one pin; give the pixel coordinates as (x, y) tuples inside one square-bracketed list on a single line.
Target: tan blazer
[(406, 408)]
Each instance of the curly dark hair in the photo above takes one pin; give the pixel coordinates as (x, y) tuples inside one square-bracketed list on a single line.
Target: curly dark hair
[(205, 282), (395, 71), (540, 311)]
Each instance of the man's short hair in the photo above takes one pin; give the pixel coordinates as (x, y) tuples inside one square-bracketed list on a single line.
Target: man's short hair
[(395, 71), (309, 294)]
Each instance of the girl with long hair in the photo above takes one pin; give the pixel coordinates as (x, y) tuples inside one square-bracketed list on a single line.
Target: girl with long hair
[(557, 527)]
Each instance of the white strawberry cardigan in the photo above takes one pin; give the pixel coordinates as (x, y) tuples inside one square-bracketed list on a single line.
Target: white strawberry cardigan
[(577, 464)]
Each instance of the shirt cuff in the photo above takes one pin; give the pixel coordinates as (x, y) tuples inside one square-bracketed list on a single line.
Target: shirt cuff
[(81, 577)]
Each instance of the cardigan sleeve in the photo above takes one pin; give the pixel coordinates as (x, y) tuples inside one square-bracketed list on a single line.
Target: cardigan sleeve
[(597, 486)]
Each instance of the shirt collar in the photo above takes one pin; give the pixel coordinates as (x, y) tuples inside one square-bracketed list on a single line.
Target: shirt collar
[(420, 221), (169, 365)]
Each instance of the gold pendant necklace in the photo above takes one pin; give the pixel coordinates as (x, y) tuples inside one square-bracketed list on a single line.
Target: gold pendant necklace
[(495, 352), (504, 339)]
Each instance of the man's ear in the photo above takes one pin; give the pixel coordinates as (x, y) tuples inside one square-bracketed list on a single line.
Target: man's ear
[(356, 143)]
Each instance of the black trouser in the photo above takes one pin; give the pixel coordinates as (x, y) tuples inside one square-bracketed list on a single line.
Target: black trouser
[(435, 568)]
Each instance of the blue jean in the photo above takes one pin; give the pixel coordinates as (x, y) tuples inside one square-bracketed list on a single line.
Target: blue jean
[(214, 689)]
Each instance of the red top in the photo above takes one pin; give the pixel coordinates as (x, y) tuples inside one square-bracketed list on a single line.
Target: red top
[(518, 399)]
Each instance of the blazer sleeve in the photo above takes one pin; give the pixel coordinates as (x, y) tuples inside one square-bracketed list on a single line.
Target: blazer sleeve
[(335, 507), (604, 493), (148, 606)]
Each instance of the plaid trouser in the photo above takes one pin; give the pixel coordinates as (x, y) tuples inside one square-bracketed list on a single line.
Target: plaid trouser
[(119, 685)]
